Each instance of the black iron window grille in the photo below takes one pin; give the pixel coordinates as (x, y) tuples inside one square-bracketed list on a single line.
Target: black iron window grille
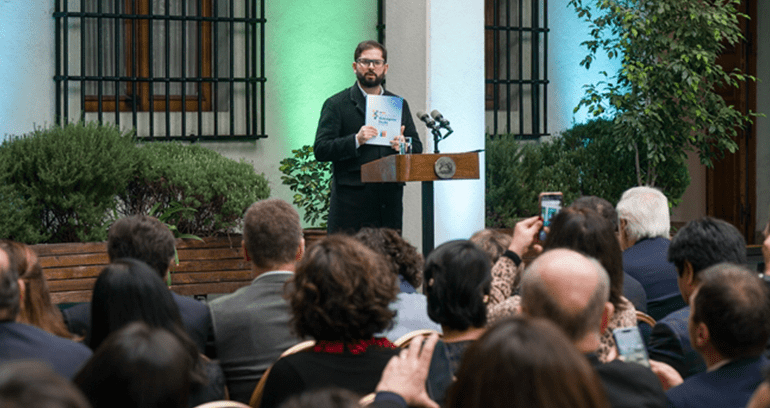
[(174, 69), (516, 67)]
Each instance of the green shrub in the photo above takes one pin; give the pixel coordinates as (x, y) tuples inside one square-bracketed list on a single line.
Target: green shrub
[(310, 181), (584, 160), (67, 184), (217, 189), (61, 182)]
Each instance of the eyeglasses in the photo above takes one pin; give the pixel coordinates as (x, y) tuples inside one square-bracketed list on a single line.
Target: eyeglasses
[(366, 62)]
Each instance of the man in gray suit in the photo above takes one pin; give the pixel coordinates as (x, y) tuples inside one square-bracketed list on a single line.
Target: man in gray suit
[(251, 325)]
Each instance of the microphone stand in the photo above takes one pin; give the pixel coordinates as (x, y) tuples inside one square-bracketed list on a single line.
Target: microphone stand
[(437, 137)]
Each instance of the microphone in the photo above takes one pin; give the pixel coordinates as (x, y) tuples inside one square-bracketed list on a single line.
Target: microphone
[(440, 119), (427, 119)]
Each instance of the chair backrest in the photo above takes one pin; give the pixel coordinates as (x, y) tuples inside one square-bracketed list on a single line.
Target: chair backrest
[(256, 396), (645, 323), (642, 317), (404, 340), (223, 404)]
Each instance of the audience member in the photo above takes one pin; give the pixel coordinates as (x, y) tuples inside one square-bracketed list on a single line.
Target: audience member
[(251, 325), (32, 384), (403, 380), (573, 292), (525, 363), (730, 326), (148, 240), (341, 296), (406, 263), (491, 241), (584, 230), (128, 291), (139, 367), (699, 244), (36, 306), (632, 289), (507, 270), (643, 231), (457, 284), (766, 248), (324, 398), (23, 342)]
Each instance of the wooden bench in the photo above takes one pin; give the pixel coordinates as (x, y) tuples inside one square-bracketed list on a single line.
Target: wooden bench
[(213, 266)]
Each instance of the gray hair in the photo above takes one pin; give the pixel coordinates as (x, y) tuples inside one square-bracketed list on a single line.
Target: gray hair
[(645, 210)]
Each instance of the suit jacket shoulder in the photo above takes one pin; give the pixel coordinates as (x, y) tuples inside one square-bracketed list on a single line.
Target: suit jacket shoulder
[(730, 386), (22, 342)]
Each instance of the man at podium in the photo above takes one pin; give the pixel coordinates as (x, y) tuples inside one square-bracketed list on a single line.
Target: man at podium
[(342, 139)]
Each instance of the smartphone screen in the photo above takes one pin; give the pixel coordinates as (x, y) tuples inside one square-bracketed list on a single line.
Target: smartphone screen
[(631, 346), (550, 205)]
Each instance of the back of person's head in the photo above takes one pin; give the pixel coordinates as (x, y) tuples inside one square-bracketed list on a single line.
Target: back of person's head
[(457, 280), (333, 397), (600, 205), (271, 233), (705, 242), (138, 367), (9, 288), (494, 243), (734, 304), (32, 384), (645, 211), (342, 291), (36, 307), (521, 362), (402, 255), (567, 288), (128, 290), (144, 238), (585, 231)]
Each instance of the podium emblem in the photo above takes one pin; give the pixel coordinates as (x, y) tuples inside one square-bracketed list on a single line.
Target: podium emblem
[(445, 167)]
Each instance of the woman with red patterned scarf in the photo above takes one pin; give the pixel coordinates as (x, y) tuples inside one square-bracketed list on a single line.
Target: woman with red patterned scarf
[(340, 297)]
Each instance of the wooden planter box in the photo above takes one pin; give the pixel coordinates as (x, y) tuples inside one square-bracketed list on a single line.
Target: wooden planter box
[(215, 265)]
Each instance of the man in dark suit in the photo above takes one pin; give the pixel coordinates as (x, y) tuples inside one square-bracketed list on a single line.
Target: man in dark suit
[(729, 327), (573, 291), (251, 325), (20, 341), (698, 245), (643, 229), (148, 240), (342, 139)]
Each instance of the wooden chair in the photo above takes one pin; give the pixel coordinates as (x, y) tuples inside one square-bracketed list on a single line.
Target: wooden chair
[(645, 323), (367, 399), (223, 404), (404, 340), (256, 396), (642, 317)]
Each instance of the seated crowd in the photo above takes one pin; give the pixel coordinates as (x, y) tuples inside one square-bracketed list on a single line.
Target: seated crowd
[(362, 320)]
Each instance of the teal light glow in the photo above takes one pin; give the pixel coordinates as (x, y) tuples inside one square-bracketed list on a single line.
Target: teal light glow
[(310, 51), (564, 70)]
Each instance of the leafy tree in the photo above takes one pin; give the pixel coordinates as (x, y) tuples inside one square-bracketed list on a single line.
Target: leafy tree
[(664, 95)]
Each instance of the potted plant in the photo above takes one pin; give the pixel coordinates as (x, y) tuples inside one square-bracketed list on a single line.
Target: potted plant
[(310, 181)]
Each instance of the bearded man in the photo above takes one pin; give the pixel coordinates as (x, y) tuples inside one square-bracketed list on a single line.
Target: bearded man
[(341, 139)]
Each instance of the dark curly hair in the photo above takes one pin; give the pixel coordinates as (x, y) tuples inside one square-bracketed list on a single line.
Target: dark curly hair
[(341, 291), (403, 256)]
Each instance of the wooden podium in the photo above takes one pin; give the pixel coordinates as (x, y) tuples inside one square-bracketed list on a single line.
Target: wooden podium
[(427, 168)]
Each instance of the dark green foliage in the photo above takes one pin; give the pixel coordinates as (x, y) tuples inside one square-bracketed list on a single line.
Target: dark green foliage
[(64, 180), (217, 189), (584, 160), (67, 184), (309, 179)]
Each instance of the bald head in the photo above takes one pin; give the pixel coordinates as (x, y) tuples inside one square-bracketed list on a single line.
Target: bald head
[(567, 288)]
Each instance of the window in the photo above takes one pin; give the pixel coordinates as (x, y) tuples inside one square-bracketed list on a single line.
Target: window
[(176, 69), (516, 41)]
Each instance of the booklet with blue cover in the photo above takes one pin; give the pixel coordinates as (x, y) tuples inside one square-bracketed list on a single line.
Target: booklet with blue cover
[(383, 112)]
